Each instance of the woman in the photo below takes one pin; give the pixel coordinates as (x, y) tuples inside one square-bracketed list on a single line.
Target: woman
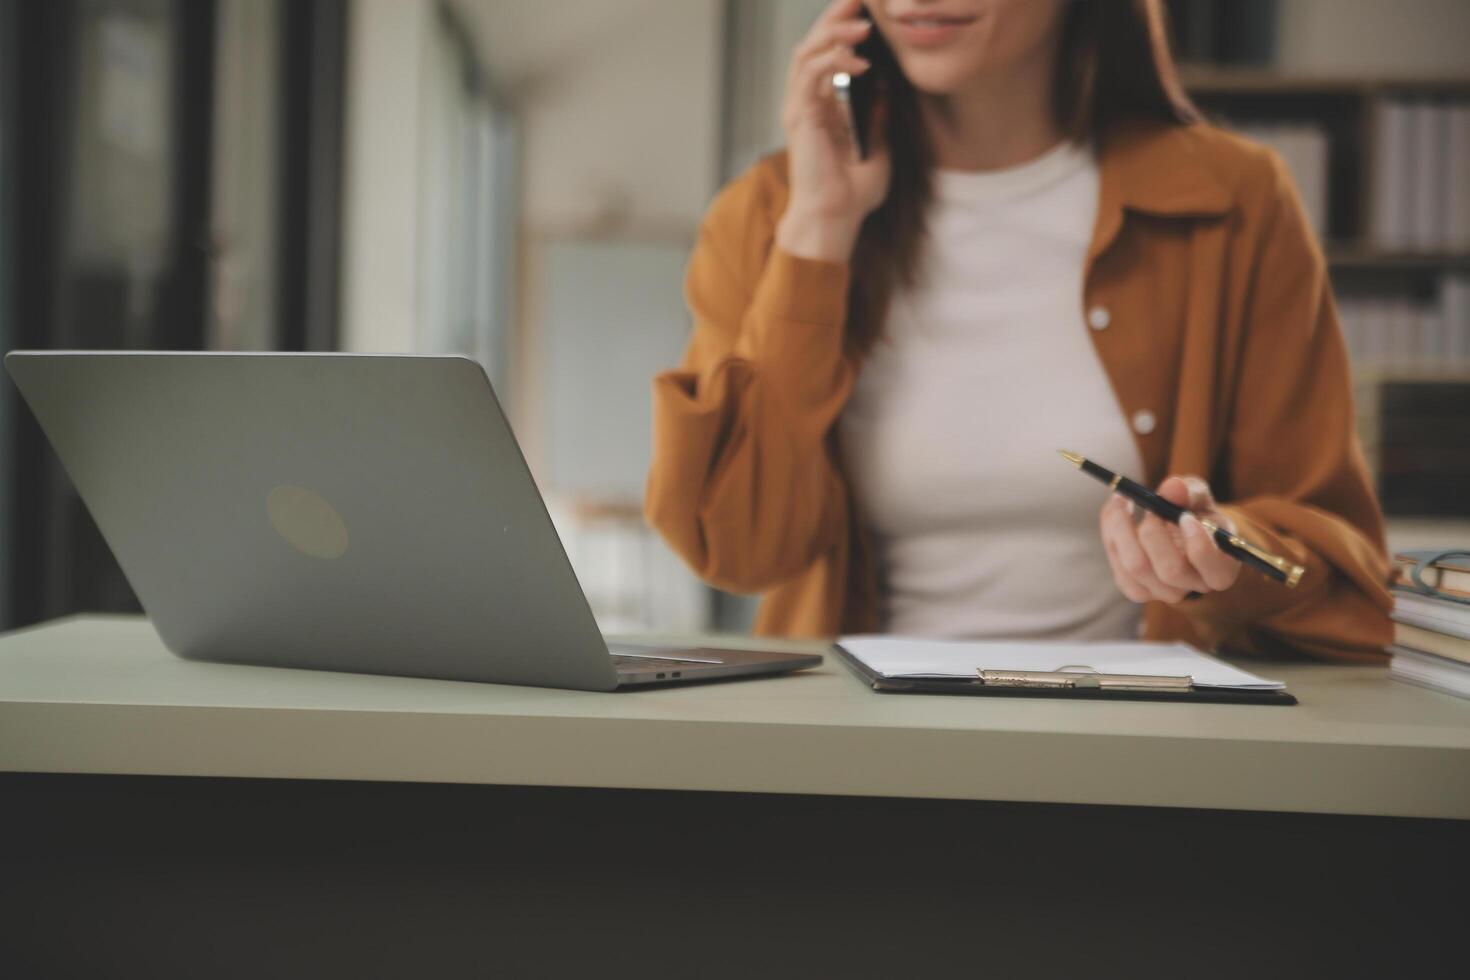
[(1045, 250)]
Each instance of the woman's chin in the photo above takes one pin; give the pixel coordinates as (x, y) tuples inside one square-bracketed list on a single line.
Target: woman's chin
[(937, 79)]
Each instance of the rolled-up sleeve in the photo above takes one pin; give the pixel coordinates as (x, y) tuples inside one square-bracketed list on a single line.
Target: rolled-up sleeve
[(1297, 483), (743, 485)]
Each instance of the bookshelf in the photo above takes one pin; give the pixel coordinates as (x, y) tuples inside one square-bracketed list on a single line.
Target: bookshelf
[(1349, 112), (1211, 80), (1380, 172), (1353, 256)]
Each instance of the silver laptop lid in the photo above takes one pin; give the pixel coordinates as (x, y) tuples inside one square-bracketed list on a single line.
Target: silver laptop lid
[(337, 511)]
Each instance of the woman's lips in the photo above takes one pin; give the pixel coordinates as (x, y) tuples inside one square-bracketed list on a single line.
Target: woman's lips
[(925, 32)]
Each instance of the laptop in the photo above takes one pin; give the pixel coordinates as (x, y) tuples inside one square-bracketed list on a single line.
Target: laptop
[(355, 512)]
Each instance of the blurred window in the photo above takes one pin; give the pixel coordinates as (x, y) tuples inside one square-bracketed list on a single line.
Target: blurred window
[(467, 194)]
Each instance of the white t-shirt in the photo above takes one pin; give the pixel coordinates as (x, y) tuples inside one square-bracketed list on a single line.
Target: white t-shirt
[(986, 369)]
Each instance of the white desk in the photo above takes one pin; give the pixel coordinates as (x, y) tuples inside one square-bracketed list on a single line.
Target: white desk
[(101, 695)]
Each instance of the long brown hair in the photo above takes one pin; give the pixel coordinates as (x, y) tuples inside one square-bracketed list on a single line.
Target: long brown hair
[(1113, 64)]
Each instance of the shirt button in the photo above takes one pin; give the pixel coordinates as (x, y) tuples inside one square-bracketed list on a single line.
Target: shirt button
[(1144, 422), (1098, 318)]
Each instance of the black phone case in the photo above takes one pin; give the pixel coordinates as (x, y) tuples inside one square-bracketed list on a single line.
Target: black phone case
[(867, 87)]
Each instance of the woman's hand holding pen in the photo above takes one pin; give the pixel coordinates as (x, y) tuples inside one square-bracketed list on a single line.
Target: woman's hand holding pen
[(1155, 560), (832, 191)]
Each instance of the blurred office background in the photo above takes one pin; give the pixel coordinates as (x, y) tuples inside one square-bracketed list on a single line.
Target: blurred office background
[(522, 182)]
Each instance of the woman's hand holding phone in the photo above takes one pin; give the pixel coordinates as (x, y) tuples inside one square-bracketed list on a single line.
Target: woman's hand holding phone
[(832, 191)]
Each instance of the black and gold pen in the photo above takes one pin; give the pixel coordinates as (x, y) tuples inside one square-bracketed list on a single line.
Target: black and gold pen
[(1233, 545)]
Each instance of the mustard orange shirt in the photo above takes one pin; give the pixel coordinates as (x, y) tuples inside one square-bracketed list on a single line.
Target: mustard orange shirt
[(1222, 332)]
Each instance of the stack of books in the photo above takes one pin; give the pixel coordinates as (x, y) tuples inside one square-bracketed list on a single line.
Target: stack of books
[(1432, 632), (1420, 197), (1423, 455), (1401, 330)]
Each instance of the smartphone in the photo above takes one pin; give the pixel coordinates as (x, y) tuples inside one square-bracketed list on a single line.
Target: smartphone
[(861, 93)]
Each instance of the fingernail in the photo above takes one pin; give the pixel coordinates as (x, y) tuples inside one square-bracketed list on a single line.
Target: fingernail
[(1190, 525), (1132, 509)]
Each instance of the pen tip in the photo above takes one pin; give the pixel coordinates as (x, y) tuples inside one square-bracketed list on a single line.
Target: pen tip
[(1072, 458)]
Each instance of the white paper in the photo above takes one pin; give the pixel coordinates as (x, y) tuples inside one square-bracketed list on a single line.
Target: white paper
[(897, 656)]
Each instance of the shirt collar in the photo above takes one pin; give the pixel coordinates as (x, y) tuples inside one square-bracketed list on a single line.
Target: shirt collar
[(1153, 168), (1162, 169)]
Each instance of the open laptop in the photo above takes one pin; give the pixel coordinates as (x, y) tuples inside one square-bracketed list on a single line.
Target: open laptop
[(355, 512)]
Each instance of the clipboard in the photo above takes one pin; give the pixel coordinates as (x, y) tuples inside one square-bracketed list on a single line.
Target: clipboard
[(1067, 684)]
